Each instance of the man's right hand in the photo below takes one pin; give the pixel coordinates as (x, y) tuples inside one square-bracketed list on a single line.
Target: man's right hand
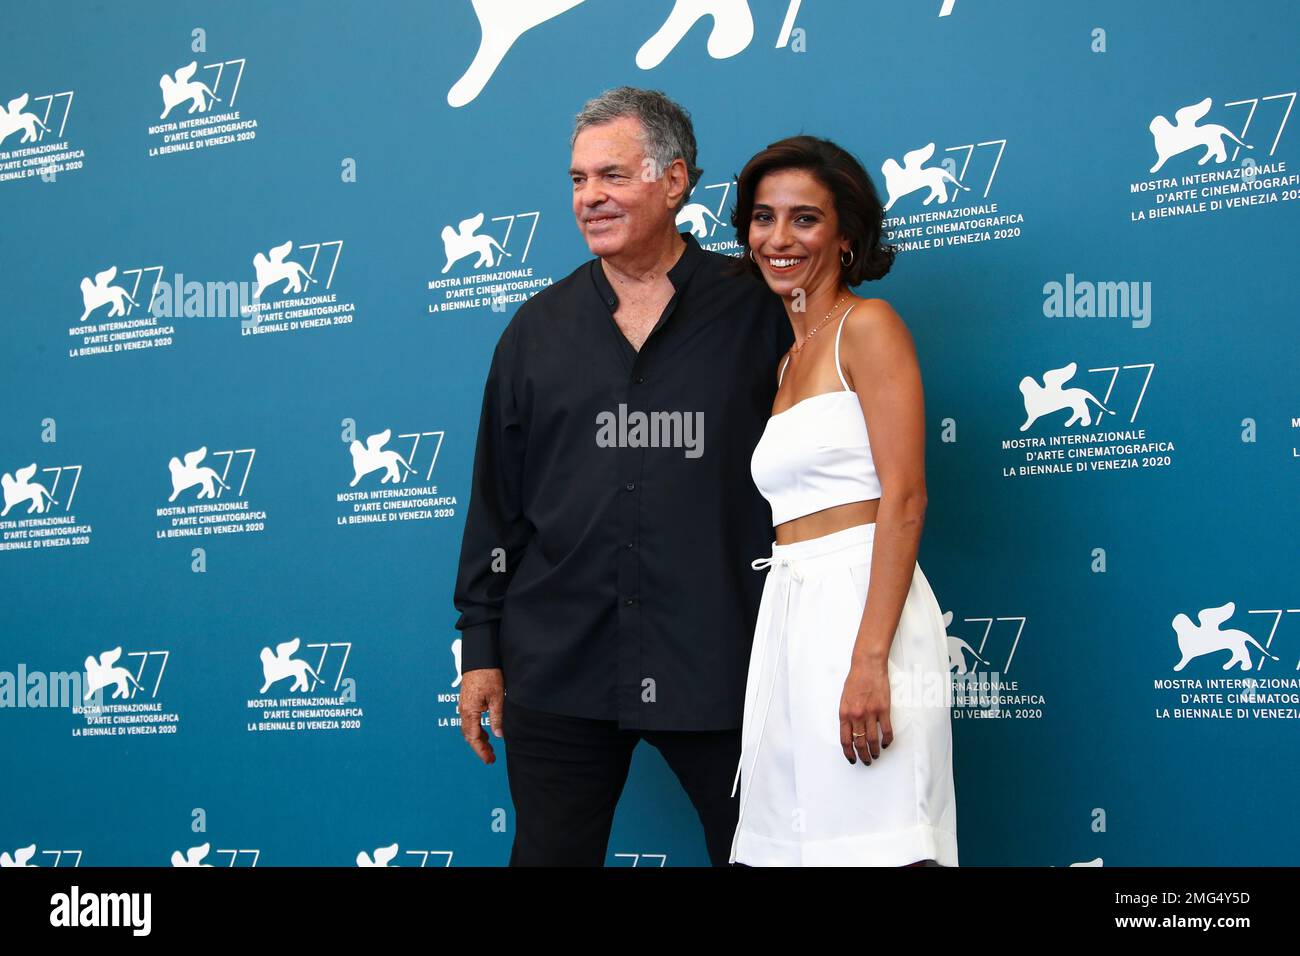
[(482, 689)]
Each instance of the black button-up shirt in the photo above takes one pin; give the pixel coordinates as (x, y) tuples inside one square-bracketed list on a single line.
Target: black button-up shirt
[(604, 566)]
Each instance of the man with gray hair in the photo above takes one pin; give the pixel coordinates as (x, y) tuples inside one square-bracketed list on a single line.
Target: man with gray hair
[(604, 583)]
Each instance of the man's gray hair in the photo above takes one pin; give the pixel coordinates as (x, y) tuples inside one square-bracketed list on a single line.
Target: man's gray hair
[(667, 133)]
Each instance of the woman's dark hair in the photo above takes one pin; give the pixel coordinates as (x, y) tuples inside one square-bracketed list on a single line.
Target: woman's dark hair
[(857, 205)]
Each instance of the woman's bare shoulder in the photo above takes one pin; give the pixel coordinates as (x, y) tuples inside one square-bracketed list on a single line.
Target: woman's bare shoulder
[(875, 331)]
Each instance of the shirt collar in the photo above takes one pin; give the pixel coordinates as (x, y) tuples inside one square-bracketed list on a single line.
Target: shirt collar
[(678, 275)]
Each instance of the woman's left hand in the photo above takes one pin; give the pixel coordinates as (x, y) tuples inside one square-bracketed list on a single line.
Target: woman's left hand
[(864, 712)]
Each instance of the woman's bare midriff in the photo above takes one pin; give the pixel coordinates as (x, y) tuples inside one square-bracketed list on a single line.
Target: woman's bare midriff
[(827, 521)]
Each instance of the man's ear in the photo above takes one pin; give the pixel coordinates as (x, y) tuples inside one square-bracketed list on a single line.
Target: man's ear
[(678, 182)]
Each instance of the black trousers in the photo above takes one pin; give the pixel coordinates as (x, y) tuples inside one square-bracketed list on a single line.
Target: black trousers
[(567, 773)]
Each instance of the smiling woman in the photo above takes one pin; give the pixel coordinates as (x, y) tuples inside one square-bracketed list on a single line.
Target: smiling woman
[(853, 200), (846, 612)]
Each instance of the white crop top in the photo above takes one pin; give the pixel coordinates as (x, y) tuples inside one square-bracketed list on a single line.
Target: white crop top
[(815, 454)]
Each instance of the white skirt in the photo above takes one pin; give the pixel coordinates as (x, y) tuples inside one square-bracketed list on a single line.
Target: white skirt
[(802, 802)]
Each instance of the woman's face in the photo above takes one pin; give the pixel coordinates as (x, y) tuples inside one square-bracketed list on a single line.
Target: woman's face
[(794, 233)]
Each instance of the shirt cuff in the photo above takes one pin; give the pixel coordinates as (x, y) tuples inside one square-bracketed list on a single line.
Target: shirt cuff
[(479, 647)]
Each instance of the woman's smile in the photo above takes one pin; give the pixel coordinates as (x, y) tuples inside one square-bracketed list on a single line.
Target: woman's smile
[(782, 265)]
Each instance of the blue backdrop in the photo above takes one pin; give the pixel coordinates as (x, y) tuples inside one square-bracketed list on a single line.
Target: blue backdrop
[(393, 191)]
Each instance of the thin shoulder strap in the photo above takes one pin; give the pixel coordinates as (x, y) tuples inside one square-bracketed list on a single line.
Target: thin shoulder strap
[(781, 374), (837, 347)]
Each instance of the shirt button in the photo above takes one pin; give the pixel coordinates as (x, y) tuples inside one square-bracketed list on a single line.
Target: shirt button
[(630, 486), (610, 301), (639, 379), (631, 602), (631, 545)]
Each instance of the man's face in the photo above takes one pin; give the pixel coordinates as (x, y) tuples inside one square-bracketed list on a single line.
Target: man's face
[(616, 203)]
